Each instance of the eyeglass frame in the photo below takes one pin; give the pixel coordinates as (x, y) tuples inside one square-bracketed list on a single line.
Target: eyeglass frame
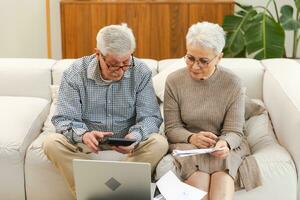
[(197, 60), (109, 66)]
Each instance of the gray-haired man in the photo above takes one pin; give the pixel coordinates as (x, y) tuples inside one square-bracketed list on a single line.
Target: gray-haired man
[(107, 94)]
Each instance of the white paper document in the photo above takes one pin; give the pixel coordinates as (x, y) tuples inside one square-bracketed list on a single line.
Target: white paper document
[(159, 197), (183, 153), (173, 189)]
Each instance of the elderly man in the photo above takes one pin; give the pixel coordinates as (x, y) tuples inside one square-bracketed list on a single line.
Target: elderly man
[(107, 94)]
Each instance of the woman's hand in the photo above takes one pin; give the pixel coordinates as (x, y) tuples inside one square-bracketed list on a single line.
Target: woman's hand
[(203, 139), (221, 153)]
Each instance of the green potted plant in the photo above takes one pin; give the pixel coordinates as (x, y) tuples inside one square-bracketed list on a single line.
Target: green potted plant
[(254, 31)]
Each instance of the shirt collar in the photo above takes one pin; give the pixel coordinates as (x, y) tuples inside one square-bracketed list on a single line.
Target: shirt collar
[(93, 72)]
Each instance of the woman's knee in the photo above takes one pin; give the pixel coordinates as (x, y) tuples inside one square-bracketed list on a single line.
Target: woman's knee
[(221, 174)]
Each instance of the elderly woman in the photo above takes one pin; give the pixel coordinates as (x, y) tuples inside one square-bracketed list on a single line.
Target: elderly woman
[(204, 107)]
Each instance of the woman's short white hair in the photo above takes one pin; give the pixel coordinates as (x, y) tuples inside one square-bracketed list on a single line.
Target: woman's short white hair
[(116, 39), (207, 35)]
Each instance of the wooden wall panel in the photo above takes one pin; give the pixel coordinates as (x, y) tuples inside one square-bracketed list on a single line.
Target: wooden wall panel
[(77, 39), (209, 12), (98, 18), (169, 23), (159, 26)]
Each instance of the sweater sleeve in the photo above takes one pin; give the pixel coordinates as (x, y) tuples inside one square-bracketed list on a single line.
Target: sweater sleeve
[(232, 130), (174, 127)]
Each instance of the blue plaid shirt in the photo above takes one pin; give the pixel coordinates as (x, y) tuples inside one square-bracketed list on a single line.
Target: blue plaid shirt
[(88, 103)]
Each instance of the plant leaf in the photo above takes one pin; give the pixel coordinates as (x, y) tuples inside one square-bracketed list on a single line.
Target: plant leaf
[(231, 22), (244, 7), (286, 18), (241, 13), (265, 38), (235, 44), (297, 3), (235, 26)]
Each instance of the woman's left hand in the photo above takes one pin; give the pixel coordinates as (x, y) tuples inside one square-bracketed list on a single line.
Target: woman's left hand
[(221, 153)]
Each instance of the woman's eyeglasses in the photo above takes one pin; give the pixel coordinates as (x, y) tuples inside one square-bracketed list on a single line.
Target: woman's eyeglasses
[(201, 62)]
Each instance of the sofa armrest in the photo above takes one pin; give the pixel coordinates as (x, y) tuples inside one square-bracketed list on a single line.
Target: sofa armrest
[(21, 122), (282, 99)]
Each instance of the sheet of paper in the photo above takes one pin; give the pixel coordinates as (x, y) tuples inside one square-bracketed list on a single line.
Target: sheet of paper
[(183, 153), (153, 187), (159, 197), (173, 189)]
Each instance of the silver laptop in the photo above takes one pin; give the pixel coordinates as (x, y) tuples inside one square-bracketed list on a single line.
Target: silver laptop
[(112, 180)]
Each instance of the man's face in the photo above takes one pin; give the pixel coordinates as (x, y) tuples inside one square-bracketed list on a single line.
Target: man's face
[(113, 67)]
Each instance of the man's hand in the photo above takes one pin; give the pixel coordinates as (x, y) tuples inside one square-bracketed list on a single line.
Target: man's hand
[(203, 139), (221, 153), (91, 139), (125, 149)]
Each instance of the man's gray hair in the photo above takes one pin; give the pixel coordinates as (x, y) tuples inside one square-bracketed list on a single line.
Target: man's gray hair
[(116, 39), (207, 35)]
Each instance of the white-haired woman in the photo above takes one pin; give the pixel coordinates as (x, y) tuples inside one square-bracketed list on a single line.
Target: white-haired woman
[(204, 107)]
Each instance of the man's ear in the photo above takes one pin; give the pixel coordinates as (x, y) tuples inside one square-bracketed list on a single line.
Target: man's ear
[(97, 51)]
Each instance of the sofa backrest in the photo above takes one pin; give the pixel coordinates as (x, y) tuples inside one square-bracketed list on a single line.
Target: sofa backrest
[(249, 70), (62, 65), (25, 77)]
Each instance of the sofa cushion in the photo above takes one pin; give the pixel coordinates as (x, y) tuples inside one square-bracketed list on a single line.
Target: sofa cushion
[(282, 99), (279, 178), (152, 64), (58, 69), (165, 67), (278, 173), (25, 77), (62, 65), (253, 107), (259, 133), (249, 70), (167, 64), (48, 126), (21, 119)]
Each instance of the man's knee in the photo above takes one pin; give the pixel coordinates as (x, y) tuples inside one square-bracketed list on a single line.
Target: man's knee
[(51, 143), (158, 145)]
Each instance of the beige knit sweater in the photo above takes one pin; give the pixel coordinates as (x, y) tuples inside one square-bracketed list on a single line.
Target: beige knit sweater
[(216, 104)]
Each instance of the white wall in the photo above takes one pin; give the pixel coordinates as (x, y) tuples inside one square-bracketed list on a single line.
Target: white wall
[(23, 27), (55, 29)]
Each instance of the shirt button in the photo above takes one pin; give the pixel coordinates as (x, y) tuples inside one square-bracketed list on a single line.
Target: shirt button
[(109, 101), (109, 115)]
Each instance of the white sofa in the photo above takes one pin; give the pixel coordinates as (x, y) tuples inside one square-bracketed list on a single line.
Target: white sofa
[(25, 101)]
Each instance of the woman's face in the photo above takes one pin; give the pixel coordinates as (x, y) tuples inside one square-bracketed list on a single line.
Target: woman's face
[(201, 62)]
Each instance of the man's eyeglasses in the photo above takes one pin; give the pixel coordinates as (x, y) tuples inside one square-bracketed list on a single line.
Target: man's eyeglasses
[(125, 65), (201, 62)]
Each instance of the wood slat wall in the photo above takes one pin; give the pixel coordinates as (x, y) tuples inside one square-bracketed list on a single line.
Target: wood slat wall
[(159, 26)]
